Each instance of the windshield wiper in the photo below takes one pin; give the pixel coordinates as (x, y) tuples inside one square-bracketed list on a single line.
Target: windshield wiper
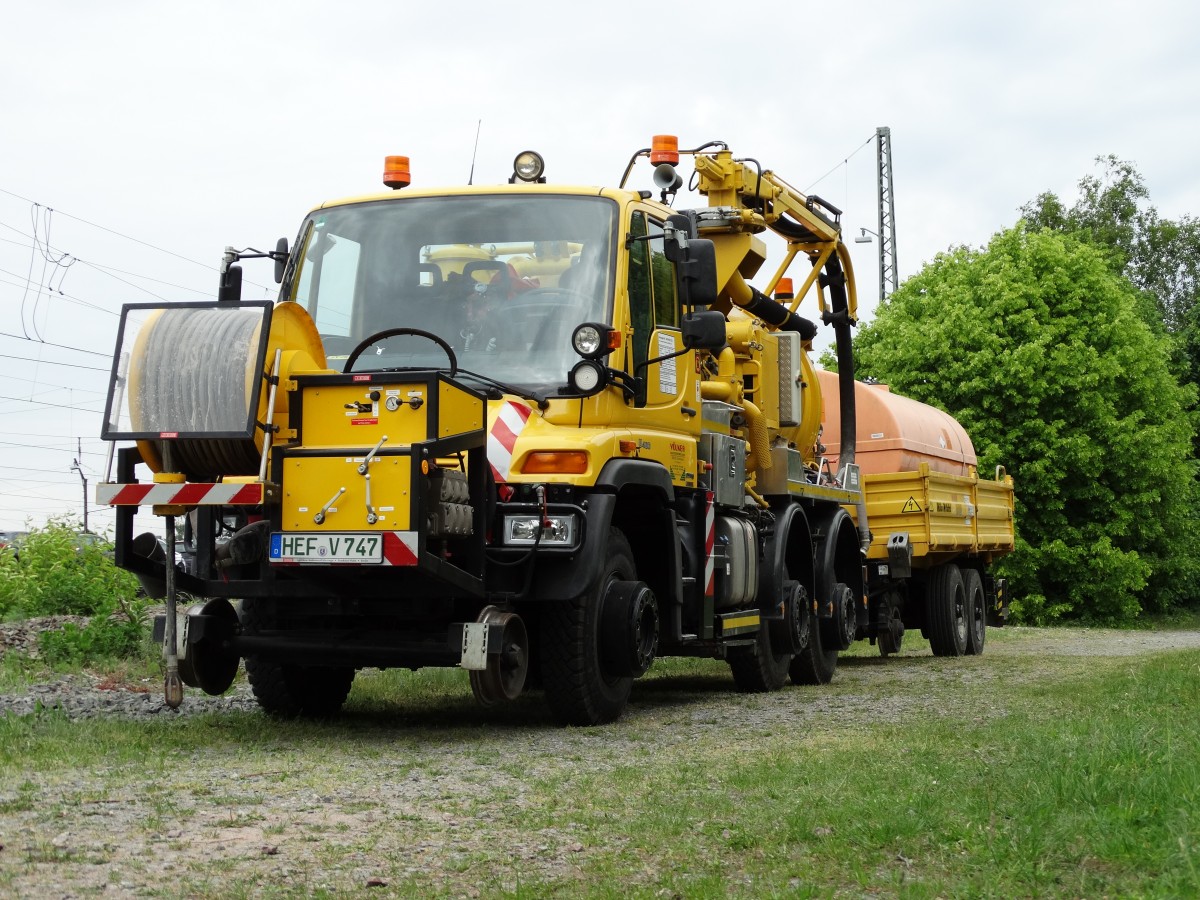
[(500, 388)]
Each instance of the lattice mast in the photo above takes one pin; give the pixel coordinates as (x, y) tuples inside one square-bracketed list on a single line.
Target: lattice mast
[(888, 278)]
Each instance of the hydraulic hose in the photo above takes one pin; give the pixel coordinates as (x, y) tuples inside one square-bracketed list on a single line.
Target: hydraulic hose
[(839, 317), (755, 302), (756, 427)]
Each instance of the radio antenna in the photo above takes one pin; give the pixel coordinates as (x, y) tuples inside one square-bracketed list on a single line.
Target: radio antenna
[(474, 153)]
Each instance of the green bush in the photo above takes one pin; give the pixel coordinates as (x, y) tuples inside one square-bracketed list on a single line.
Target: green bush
[(117, 632), (57, 571)]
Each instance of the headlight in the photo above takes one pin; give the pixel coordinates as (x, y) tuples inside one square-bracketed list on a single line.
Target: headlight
[(557, 531), (586, 340), (587, 377), (591, 340), (528, 166)]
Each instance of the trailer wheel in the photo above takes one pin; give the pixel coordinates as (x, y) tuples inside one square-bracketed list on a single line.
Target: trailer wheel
[(948, 616), (578, 690), (759, 669), (891, 639), (976, 612), (289, 690)]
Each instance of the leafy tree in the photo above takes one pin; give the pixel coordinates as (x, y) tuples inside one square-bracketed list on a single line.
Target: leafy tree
[(1159, 256), (1038, 347)]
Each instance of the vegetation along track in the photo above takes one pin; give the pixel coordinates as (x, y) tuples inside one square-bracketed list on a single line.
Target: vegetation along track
[(416, 790)]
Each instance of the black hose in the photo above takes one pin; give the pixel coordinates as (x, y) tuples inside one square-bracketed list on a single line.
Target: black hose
[(778, 315), (193, 379), (834, 278)]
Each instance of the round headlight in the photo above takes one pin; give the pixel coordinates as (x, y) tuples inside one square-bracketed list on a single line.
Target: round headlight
[(587, 377), (528, 166), (588, 339)]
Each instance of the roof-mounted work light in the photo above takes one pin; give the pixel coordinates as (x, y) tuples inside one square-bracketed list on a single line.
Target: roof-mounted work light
[(528, 167)]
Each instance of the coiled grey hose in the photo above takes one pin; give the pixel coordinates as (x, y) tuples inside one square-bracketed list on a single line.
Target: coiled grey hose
[(192, 378)]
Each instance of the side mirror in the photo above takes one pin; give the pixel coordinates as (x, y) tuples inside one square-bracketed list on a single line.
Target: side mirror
[(695, 261), (281, 259), (697, 274), (703, 330)]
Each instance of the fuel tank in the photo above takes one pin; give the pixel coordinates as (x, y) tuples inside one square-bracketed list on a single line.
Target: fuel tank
[(895, 434)]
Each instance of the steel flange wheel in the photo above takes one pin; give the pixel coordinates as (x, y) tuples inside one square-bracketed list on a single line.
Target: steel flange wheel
[(504, 677)]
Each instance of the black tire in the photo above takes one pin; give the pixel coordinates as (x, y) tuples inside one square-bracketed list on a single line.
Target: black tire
[(813, 664), (759, 669), (947, 617), (976, 612), (578, 690), (891, 639), (287, 690)]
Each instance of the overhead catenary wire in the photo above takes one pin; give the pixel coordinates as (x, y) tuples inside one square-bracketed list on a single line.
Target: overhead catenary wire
[(121, 234), (845, 161), (112, 231), (5, 412), (54, 362)]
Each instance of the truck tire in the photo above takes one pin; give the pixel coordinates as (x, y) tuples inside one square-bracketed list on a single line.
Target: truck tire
[(286, 690), (947, 617), (813, 664), (578, 690), (759, 669), (976, 612)]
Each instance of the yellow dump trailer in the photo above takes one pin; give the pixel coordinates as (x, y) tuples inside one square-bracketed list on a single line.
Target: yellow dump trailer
[(944, 516)]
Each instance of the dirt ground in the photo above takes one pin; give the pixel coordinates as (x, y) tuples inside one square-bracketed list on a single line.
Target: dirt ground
[(419, 797)]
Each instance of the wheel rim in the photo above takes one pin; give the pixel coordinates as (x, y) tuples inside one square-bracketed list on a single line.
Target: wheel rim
[(504, 678)]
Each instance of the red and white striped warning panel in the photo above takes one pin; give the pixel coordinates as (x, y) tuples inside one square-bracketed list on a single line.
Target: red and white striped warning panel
[(710, 543), (185, 494), (399, 548), (502, 437)]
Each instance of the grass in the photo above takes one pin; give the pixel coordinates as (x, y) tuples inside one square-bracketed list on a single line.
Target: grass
[(1006, 775)]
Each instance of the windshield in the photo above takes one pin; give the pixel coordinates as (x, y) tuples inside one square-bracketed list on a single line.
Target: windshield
[(503, 280)]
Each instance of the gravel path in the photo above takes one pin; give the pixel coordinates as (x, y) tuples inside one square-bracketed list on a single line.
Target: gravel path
[(433, 795), (82, 696)]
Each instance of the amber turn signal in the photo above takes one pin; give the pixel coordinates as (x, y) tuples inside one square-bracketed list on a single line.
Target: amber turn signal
[(549, 462)]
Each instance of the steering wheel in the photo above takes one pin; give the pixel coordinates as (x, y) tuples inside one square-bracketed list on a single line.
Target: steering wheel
[(542, 295), (378, 336), (570, 305)]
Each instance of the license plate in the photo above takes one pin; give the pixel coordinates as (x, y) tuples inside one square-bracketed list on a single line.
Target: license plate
[(326, 547)]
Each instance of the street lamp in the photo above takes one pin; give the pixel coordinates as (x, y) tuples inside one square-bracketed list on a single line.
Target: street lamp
[(862, 238)]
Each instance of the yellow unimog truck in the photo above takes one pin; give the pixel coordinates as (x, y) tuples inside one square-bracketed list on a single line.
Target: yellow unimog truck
[(544, 433)]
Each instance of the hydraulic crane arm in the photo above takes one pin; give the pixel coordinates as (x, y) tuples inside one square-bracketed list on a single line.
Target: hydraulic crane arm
[(751, 199)]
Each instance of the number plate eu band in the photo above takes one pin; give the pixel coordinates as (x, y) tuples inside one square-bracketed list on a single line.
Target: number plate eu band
[(323, 548)]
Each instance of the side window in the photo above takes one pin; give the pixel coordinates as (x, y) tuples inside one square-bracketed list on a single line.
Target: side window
[(652, 301), (326, 286)]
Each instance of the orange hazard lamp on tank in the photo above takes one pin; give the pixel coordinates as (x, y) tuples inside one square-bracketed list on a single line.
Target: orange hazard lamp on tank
[(395, 172)]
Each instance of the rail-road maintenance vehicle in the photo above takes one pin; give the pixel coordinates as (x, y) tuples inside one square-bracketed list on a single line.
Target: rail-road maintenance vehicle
[(544, 433)]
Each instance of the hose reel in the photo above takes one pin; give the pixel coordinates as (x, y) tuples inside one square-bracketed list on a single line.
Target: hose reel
[(189, 382)]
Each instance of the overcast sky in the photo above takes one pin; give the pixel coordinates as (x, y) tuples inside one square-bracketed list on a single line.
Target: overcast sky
[(141, 138)]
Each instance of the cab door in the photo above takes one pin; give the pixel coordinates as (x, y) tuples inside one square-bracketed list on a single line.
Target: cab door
[(665, 414)]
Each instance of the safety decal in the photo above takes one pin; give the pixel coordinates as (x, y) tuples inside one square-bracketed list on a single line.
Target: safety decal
[(399, 548), (179, 494), (912, 506), (710, 543), (502, 437)]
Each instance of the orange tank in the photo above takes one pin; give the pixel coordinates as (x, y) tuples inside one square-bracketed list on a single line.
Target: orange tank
[(895, 434)]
